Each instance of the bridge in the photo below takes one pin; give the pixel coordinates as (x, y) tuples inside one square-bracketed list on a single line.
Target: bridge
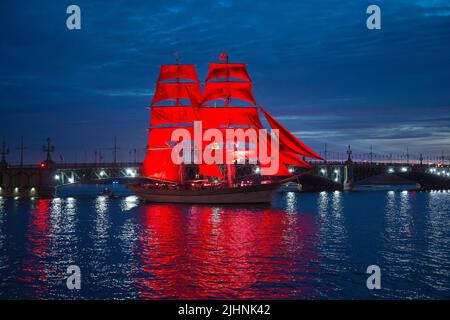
[(42, 180)]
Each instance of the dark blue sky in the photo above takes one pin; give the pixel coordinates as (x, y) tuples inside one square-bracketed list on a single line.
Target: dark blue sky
[(315, 66)]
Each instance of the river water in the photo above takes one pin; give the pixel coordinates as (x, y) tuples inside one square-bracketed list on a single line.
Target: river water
[(303, 246)]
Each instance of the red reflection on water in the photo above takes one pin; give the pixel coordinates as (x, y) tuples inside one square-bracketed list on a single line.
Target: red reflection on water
[(204, 252), (33, 269)]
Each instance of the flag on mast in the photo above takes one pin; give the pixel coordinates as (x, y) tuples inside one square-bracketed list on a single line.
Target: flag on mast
[(223, 57)]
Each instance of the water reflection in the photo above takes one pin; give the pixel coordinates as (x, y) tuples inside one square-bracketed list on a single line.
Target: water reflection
[(34, 269), (399, 251), (332, 230), (128, 203), (3, 255), (64, 217), (304, 246), (101, 205), (203, 252), (437, 250), (100, 232), (291, 202)]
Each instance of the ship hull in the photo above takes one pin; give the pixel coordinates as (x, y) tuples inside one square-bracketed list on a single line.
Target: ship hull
[(263, 193)]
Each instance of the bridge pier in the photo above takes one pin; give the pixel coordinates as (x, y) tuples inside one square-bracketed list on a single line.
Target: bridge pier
[(28, 181), (349, 179), (47, 183)]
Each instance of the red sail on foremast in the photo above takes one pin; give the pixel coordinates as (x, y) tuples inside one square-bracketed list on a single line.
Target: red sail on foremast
[(177, 71), (176, 90), (175, 82)]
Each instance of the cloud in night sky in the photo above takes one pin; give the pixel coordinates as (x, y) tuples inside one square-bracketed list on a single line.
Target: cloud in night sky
[(314, 64)]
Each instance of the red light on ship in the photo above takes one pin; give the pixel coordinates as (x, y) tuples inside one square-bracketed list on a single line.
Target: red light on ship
[(42, 165)]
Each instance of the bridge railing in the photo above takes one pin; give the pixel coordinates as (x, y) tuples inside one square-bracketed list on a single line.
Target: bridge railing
[(97, 165), (378, 163)]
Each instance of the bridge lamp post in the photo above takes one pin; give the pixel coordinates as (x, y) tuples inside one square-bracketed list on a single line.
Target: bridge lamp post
[(57, 177), (391, 170), (71, 180), (323, 171), (102, 173), (404, 169)]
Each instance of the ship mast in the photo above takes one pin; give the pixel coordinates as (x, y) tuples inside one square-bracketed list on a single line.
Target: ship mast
[(225, 81), (228, 98), (230, 167), (181, 168), (177, 62)]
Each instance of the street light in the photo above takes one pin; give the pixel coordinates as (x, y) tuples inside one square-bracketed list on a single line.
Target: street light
[(130, 172)]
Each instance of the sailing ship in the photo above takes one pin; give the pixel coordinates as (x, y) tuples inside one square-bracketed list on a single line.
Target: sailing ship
[(227, 102)]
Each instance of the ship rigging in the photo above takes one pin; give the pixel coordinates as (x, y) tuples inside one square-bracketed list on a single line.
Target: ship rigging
[(226, 104)]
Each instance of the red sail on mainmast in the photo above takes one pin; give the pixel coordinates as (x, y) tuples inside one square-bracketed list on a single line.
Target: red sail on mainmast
[(220, 83), (218, 86), (228, 89), (227, 70), (210, 170), (223, 117)]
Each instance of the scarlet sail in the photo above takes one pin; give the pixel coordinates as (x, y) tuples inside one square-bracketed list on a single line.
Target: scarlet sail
[(223, 117), (210, 170), (177, 71), (227, 90), (288, 140), (227, 70), (176, 91), (171, 115)]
